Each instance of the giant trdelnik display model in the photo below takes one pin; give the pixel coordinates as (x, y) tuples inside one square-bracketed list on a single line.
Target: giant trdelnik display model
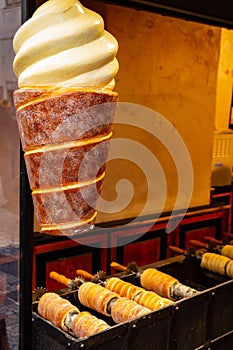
[(65, 63)]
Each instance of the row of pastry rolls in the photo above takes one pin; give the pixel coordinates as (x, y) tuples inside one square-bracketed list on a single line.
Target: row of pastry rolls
[(146, 298), (217, 263), (227, 250), (143, 297), (61, 313), (165, 285), (109, 303)]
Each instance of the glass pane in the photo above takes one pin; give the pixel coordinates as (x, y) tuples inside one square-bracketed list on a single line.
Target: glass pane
[(10, 20)]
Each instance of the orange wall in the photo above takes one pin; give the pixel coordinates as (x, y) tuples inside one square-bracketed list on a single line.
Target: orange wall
[(170, 66), (225, 80)]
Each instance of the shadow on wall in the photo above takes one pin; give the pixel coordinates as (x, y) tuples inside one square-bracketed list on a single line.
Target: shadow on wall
[(9, 174)]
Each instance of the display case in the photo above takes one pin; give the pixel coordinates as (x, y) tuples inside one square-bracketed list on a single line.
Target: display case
[(125, 336)]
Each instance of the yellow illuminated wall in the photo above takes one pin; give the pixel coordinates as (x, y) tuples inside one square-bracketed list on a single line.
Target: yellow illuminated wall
[(171, 66), (225, 80)]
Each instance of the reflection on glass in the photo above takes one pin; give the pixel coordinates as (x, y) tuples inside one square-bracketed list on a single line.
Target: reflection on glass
[(9, 183), (9, 217)]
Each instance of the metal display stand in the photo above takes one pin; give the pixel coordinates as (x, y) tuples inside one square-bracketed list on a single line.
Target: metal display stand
[(26, 245), (220, 14), (26, 236)]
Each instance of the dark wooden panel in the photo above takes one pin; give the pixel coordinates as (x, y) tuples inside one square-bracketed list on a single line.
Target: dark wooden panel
[(65, 255), (199, 234), (142, 245), (197, 227), (67, 267), (223, 198), (143, 252), (143, 242)]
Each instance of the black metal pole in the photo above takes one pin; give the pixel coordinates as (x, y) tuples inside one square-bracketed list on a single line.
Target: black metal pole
[(27, 9), (26, 235), (26, 259)]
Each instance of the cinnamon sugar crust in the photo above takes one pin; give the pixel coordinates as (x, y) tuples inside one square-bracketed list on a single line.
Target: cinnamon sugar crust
[(62, 117), (65, 135), (66, 166)]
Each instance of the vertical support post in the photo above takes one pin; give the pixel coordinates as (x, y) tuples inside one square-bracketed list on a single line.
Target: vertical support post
[(27, 9), (26, 234), (26, 258)]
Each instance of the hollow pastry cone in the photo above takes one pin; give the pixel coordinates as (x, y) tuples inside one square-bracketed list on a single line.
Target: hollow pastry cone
[(65, 63), (215, 262), (84, 324), (124, 289), (61, 313), (56, 309), (151, 300), (159, 282), (46, 299), (65, 176), (229, 269), (96, 297), (227, 250), (124, 310)]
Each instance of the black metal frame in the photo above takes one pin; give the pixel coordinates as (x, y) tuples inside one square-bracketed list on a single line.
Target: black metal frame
[(26, 251), (220, 14), (208, 11), (26, 235)]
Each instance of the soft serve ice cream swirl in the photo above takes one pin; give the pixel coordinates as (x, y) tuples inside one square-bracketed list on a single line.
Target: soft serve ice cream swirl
[(65, 45)]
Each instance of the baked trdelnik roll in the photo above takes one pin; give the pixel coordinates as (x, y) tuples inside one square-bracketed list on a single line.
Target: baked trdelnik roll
[(215, 263), (143, 297), (56, 309), (61, 313), (124, 310), (97, 297), (159, 282), (227, 251), (85, 324), (109, 303), (65, 63)]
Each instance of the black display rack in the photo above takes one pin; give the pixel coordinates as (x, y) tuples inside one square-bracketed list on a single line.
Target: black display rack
[(26, 235), (208, 12)]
